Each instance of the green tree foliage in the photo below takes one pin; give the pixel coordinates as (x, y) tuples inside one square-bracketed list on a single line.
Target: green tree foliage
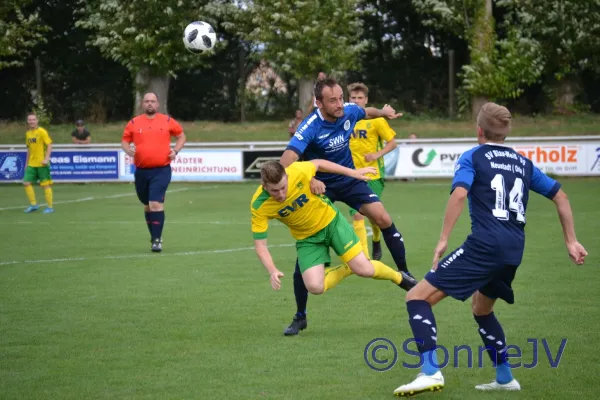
[(21, 29), (145, 36), (499, 67), (304, 37)]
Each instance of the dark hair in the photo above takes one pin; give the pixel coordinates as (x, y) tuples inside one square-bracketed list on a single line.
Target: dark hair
[(272, 172), (320, 85)]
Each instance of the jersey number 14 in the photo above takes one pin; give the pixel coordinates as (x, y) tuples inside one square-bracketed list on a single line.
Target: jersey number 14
[(515, 199)]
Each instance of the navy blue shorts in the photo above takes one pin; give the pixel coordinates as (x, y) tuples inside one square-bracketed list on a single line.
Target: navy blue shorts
[(354, 194), (465, 271), (151, 183)]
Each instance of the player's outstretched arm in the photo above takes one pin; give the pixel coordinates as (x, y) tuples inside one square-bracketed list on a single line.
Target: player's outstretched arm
[(262, 251), (386, 112), (333, 168), (576, 251), (456, 203)]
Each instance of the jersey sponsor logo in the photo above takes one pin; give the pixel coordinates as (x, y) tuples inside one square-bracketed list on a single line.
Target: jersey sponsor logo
[(337, 143), (359, 134), (11, 166), (295, 206), (32, 140)]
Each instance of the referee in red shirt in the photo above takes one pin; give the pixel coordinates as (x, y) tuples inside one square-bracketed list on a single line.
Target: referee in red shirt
[(151, 134)]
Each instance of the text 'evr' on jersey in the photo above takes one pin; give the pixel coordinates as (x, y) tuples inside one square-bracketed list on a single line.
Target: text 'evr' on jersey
[(498, 180), (317, 138)]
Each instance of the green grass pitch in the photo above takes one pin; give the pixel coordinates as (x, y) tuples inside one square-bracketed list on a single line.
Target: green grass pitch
[(88, 312)]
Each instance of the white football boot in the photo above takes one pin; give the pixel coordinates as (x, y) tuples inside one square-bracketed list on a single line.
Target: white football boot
[(512, 385), (423, 383)]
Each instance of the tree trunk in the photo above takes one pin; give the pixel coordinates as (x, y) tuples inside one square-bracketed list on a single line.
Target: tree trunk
[(565, 95), (146, 82), (305, 94), (476, 103), (242, 82), (484, 44)]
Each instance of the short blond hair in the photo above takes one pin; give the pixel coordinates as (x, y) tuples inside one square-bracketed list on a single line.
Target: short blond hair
[(495, 121), (358, 87), (271, 172)]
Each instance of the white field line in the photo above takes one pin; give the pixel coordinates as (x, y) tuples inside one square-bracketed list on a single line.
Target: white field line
[(113, 196), (132, 256)]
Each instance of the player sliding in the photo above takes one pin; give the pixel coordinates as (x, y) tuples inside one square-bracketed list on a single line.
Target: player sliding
[(496, 180), (316, 225)]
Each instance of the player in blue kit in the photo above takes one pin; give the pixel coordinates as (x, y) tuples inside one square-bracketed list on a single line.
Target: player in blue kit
[(496, 180), (325, 134)]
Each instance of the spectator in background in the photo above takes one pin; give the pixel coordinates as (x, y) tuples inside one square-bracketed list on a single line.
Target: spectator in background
[(81, 135), (412, 136), (295, 122)]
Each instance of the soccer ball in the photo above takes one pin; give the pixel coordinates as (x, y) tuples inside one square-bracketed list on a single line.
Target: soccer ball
[(199, 36)]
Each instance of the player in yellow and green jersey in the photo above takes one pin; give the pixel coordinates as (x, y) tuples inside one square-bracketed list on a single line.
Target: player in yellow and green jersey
[(315, 224), (39, 148), (366, 145)]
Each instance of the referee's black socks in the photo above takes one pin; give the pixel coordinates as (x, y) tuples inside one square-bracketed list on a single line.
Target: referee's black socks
[(157, 221)]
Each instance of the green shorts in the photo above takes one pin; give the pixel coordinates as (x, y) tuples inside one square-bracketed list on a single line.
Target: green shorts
[(34, 174), (339, 235), (377, 187)]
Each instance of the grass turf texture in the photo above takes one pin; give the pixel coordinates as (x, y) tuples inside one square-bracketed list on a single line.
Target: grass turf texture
[(112, 320), (207, 131)]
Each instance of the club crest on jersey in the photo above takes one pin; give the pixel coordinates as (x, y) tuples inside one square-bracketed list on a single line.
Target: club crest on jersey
[(300, 185), (347, 125)]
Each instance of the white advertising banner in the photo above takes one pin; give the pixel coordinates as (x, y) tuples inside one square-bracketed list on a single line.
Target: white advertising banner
[(438, 160), (196, 165)]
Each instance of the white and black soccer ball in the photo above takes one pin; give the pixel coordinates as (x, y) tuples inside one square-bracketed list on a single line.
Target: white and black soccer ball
[(199, 36)]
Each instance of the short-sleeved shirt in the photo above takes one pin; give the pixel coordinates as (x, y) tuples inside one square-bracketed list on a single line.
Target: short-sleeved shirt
[(498, 180), (81, 136), (317, 138), (304, 213), (152, 139), (37, 141), (368, 137)]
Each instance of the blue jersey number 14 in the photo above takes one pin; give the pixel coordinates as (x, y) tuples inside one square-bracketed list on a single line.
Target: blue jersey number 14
[(515, 199)]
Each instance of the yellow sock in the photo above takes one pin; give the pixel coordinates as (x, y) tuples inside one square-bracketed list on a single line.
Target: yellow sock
[(376, 233), (30, 194), (383, 272), (361, 232), (334, 275), (48, 193)]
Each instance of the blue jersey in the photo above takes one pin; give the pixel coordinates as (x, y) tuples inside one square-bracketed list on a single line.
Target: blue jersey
[(498, 180), (317, 138)]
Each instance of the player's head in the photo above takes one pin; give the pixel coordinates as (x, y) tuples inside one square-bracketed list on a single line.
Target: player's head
[(330, 98), (493, 123), (358, 93), (32, 120), (150, 103), (274, 180)]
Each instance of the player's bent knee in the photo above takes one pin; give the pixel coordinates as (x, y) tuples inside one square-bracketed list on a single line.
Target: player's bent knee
[(361, 266), (315, 287), (156, 206)]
